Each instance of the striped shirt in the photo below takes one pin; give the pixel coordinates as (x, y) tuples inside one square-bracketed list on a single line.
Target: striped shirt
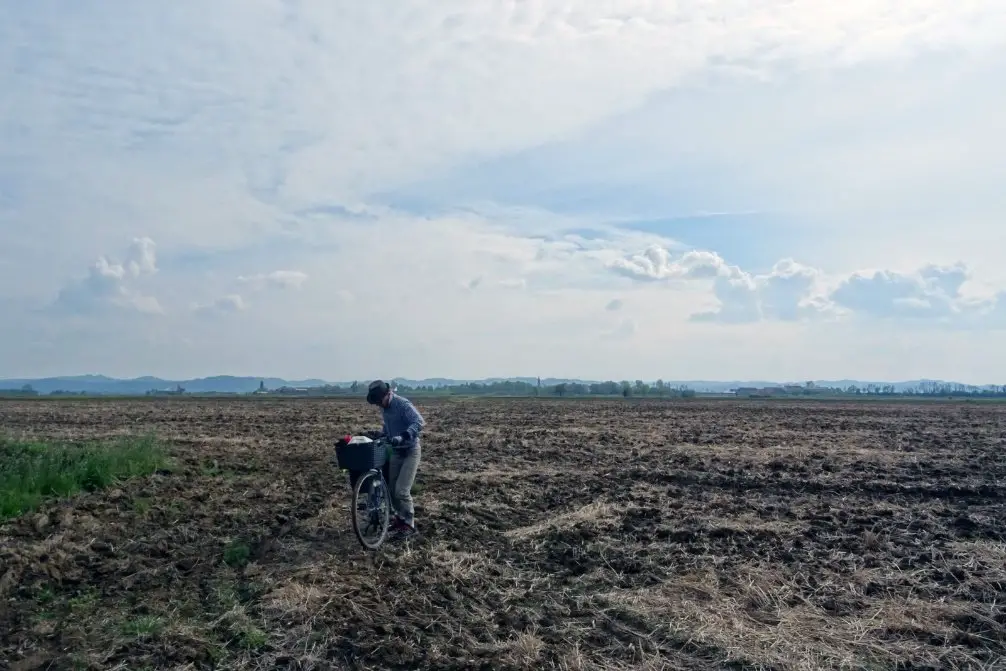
[(402, 417)]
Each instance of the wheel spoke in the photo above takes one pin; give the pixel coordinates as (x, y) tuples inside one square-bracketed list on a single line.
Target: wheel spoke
[(371, 523)]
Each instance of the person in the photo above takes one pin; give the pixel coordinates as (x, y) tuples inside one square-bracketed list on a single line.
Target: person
[(402, 425)]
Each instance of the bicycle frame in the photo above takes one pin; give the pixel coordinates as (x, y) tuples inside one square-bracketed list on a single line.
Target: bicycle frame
[(374, 485)]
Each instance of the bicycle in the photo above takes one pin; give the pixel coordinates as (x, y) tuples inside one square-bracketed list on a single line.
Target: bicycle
[(368, 459)]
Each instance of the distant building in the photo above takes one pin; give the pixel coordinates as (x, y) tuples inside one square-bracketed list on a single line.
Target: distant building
[(766, 391), (293, 391)]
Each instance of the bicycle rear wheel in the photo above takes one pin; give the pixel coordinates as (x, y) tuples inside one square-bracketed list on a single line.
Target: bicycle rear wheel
[(371, 524)]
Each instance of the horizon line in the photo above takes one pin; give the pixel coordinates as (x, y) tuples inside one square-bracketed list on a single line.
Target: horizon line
[(361, 380)]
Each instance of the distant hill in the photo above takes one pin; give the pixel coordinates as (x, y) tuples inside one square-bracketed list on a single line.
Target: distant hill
[(101, 384)]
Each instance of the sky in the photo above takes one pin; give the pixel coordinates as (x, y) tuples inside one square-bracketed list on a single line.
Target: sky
[(682, 189)]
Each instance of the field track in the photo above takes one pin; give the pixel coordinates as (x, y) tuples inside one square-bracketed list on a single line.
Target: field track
[(578, 534)]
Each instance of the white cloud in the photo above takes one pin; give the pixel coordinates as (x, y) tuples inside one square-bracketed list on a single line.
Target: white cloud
[(655, 263), (141, 258), (738, 301), (110, 285), (278, 279), (513, 283), (787, 292), (475, 149), (228, 304), (934, 292), (792, 291)]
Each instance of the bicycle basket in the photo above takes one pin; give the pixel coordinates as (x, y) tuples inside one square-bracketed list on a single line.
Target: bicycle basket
[(360, 457)]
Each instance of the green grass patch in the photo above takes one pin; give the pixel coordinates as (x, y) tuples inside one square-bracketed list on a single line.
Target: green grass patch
[(236, 554), (143, 626), (252, 638), (44, 595), (32, 471), (85, 599)]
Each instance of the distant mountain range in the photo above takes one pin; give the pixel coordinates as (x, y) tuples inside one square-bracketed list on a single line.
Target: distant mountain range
[(100, 384)]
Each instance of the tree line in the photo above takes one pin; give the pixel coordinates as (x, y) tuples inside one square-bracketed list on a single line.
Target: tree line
[(610, 388), (928, 388), (624, 388)]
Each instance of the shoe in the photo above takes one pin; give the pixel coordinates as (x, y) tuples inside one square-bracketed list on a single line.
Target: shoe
[(401, 530)]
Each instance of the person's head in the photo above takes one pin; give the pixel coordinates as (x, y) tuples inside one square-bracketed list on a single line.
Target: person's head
[(379, 393)]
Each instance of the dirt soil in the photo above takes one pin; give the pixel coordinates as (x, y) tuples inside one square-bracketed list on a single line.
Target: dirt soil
[(555, 534)]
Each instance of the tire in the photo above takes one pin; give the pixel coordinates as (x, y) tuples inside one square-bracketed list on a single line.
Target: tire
[(382, 511)]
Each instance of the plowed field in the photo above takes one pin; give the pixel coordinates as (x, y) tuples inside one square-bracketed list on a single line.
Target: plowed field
[(555, 534)]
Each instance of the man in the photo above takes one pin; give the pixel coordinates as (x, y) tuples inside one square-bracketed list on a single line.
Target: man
[(402, 424)]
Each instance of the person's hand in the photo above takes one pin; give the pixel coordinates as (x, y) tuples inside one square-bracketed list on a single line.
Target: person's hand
[(396, 441)]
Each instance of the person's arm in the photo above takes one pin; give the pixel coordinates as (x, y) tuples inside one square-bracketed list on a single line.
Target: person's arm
[(414, 422)]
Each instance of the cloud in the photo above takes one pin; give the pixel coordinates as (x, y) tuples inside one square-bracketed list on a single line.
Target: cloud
[(738, 301), (565, 151), (614, 305), (278, 279), (228, 304), (934, 292), (791, 291), (142, 258), (508, 283), (514, 283), (786, 292), (110, 285), (655, 263)]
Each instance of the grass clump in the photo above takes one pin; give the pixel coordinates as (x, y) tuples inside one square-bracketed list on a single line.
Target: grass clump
[(252, 638), (32, 471), (237, 554), (143, 626)]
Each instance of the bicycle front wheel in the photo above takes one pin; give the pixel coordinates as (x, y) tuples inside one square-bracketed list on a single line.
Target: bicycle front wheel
[(371, 519)]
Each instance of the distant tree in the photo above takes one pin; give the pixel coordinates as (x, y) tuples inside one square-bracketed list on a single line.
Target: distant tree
[(609, 388), (660, 388), (560, 389)]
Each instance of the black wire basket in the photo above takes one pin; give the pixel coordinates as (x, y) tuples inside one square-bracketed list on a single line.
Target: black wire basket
[(360, 457)]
